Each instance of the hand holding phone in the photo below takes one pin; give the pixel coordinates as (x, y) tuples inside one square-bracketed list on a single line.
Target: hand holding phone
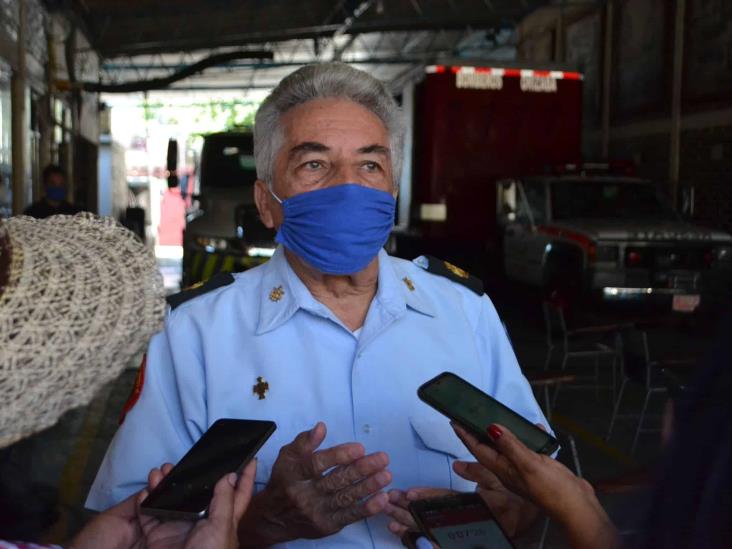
[(186, 491), (460, 521), (467, 405)]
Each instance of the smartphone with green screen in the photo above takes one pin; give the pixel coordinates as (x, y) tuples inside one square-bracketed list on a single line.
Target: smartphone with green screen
[(467, 405)]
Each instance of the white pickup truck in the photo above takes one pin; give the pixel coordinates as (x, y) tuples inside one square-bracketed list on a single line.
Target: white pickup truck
[(609, 237)]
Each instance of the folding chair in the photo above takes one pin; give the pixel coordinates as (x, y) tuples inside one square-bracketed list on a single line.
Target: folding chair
[(591, 342), (638, 367)]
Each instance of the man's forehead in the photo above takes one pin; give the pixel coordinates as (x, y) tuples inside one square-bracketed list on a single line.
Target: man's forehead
[(324, 120)]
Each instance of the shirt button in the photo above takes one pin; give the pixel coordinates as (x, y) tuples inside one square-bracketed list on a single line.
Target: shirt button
[(367, 428)]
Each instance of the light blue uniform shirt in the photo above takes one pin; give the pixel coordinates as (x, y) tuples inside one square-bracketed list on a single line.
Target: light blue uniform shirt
[(204, 364)]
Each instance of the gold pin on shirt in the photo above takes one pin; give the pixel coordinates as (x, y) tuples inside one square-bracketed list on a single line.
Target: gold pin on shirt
[(457, 271), (260, 388), (408, 282), (276, 294)]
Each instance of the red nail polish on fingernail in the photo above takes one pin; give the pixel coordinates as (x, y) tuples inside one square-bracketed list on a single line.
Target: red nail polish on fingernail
[(494, 432)]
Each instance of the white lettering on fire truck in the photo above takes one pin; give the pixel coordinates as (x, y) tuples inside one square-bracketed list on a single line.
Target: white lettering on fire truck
[(542, 85), (478, 80)]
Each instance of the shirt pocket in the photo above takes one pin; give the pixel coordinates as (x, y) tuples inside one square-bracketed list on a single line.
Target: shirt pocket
[(438, 447)]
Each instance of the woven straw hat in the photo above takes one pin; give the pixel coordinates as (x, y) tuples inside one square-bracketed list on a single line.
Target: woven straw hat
[(79, 296)]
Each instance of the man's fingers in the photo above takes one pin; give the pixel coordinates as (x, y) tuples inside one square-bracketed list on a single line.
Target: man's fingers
[(350, 496), (244, 489), (306, 442), (343, 454), (399, 498), (397, 528), (166, 469), (347, 475), (221, 509), (400, 515), (372, 506), (414, 494)]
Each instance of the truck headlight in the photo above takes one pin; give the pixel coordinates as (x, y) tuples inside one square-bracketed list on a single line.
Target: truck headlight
[(212, 245), (723, 254), (255, 251)]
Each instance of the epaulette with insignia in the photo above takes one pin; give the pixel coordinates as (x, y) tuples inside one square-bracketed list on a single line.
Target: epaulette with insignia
[(448, 270), (217, 281)]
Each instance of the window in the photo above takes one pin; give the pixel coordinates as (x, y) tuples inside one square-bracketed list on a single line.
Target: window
[(532, 203), (535, 192), (608, 199)]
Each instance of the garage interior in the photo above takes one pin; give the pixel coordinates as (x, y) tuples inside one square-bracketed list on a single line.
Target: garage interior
[(654, 102)]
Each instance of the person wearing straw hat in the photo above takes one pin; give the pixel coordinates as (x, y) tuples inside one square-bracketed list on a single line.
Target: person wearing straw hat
[(79, 297)]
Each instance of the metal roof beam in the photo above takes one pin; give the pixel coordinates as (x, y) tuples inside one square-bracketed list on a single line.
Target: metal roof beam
[(114, 66), (358, 27)]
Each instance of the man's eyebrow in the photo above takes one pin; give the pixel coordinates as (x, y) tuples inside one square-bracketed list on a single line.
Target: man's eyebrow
[(307, 146), (375, 149)]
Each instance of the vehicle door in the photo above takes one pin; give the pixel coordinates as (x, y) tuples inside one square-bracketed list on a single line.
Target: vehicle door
[(524, 246)]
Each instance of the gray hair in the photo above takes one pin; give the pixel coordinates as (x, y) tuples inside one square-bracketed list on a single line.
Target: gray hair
[(326, 80)]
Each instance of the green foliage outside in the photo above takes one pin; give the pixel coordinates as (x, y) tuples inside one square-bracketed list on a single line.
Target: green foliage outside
[(207, 117), (197, 119)]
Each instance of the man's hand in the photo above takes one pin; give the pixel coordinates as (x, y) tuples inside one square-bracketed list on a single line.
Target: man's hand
[(313, 494), (555, 489), (217, 531), (398, 507)]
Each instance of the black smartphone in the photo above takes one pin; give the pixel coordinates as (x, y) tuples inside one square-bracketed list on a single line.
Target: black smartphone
[(462, 521), (474, 410), (227, 446)]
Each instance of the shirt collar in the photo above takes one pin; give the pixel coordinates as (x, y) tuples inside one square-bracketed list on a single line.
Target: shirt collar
[(283, 293), (278, 300), (397, 290)]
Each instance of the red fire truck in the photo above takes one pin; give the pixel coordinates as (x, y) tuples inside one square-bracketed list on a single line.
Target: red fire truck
[(473, 126)]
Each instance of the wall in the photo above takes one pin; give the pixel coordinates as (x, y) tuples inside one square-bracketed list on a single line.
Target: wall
[(42, 65), (636, 93)]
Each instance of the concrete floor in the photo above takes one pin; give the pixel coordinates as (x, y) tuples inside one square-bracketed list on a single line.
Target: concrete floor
[(44, 479)]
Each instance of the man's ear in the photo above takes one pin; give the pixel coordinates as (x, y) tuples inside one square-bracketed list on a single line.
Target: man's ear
[(263, 200)]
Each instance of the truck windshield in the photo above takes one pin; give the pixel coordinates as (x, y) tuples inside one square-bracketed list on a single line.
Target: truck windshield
[(607, 199), (227, 161)]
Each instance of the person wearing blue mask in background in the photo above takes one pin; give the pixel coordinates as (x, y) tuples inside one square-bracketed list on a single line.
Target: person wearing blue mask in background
[(55, 193), (330, 339)]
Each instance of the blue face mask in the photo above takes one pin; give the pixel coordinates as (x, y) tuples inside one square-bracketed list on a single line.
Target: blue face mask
[(338, 230), (56, 193)]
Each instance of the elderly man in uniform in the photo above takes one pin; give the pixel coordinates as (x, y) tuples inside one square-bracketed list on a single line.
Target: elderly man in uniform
[(331, 338)]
